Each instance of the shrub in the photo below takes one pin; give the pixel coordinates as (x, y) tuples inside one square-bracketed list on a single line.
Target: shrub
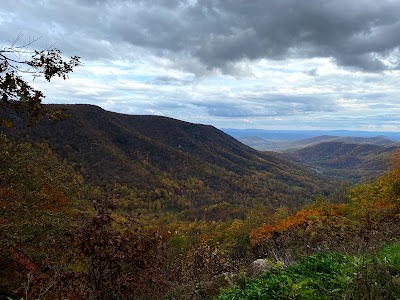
[(323, 276)]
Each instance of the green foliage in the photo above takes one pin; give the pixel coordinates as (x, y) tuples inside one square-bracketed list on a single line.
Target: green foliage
[(372, 280), (390, 255), (320, 276)]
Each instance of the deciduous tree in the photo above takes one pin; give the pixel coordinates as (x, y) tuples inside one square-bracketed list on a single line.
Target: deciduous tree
[(17, 62)]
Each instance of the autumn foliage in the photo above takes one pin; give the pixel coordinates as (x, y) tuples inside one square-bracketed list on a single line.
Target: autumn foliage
[(62, 238), (370, 216), (107, 262)]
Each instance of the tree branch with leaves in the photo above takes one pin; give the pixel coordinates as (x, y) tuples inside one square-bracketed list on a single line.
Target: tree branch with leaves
[(17, 62)]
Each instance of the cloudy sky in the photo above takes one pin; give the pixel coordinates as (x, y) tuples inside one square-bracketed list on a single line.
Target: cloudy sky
[(287, 64)]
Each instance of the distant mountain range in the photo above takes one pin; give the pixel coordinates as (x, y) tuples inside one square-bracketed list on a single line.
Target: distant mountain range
[(352, 162), (283, 145), (177, 165), (291, 135), (355, 159)]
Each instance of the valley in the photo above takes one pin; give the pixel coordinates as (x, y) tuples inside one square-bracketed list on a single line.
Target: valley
[(199, 150), (179, 206), (171, 164), (348, 158)]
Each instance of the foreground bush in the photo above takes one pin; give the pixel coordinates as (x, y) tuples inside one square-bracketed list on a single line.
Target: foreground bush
[(326, 276)]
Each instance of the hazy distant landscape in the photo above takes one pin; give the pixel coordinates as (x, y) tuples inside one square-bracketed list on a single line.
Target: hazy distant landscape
[(278, 140), (352, 156)]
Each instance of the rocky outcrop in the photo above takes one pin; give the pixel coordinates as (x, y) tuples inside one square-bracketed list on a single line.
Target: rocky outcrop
[(258, 267)]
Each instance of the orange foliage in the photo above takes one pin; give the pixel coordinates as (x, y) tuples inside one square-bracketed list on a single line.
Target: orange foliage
[(56, 199), (300, 220), (382, 205), (264, 232), (369, 205)]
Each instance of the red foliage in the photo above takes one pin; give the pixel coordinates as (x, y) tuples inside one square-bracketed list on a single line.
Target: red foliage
[(105, 262), (23, 261)]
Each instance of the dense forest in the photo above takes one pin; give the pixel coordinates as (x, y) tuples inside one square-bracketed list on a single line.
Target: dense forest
[(164, 164), (109, 206)]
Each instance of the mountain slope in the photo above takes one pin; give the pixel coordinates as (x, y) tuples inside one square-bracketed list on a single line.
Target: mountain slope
[(354, 162), (175, 164)]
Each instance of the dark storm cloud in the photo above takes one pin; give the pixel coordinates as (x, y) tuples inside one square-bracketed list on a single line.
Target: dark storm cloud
[(215, 34), (360, 34)]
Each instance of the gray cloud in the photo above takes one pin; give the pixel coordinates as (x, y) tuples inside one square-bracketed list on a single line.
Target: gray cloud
[(312, 72), (216, 34), (314, 63), (267, 106), (169, 80)]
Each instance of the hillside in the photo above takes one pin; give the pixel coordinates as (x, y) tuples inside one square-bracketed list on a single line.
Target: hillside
[(170, 164), (353, 162), (178, 176)]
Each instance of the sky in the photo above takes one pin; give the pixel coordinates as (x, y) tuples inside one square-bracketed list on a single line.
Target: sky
[(266, 64)]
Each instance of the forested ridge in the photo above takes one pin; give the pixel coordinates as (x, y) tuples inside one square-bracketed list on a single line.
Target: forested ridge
[(170, 163), (110, 206), (349, 161)]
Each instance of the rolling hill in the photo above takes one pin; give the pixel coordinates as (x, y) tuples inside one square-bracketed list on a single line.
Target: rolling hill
[(285, 145), (345, 159), (162, 163)]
